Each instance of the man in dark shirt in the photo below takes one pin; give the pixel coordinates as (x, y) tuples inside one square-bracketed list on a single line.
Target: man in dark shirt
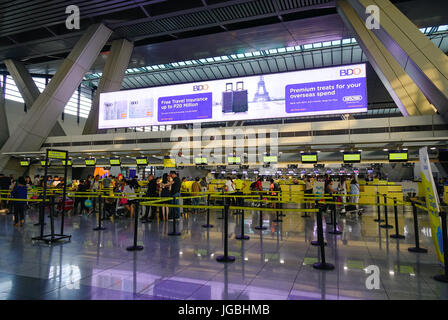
[(175, 191), (5, 182), (151, 192)]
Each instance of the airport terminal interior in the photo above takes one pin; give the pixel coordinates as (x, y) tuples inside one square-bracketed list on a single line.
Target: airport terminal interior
[(224, 150)]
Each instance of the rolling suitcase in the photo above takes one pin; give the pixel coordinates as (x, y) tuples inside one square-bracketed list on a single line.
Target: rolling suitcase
[(227, 99), (240, 98)]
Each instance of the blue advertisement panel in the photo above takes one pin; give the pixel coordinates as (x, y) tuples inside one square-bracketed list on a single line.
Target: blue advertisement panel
[(185, 107), (334, 90)]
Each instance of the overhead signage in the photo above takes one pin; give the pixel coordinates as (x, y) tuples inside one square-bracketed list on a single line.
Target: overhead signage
[(334, 90)]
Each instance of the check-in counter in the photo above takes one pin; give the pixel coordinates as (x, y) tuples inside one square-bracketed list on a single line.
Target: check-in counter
[(368, 193), (292, 192)]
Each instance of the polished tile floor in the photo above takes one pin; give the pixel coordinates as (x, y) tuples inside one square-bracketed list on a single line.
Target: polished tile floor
[(276, 264)]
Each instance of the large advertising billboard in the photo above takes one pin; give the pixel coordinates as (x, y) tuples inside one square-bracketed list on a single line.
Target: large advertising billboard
[(334, 90)]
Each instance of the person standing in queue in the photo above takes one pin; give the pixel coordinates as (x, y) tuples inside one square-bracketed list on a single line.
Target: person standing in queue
[(175, 192), (4, 188), (196, 192), (230, 188), (151, 192), (309, 186), (165, 187), (19, 192), (239, 187)]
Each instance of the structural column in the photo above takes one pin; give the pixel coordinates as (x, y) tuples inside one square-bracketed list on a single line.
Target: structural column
[(27, 88), (421, 59), (406, 94), (38, 122), (111, 79), (4, 129)]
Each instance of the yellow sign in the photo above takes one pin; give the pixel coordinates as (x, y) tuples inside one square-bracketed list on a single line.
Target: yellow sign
[(432, 202), (24, 163), (200, 160), (69, 162), (90, 162), (169, 163), (142, 161), (398, 156), (270, 159), (42, 163), (114, 162), (56, 154), (352, 157), (309, 157), (234, 160)]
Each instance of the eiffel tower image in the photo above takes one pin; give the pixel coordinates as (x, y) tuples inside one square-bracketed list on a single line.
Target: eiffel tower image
[(261, 94)]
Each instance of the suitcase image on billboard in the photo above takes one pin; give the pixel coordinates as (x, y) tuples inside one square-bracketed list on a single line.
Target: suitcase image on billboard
[(227, 99), (240, 98)]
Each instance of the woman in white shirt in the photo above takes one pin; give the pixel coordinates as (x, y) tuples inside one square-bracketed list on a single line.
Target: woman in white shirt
[(127, 191), (230, 188)]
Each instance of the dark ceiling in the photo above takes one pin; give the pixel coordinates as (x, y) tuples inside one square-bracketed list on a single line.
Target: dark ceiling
[(34, 31)]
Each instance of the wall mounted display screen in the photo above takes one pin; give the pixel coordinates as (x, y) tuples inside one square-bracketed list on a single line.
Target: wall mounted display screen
[(333, 90), (90, 162), (114, 161), (398, 156), (142, 161), (199, 160), (309, 157), (25, 163), (233, 160), (354, 157), (270, 159), (169, 163)]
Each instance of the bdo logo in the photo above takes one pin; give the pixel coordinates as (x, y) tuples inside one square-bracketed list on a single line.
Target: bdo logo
[(200, 87), (350, 72)]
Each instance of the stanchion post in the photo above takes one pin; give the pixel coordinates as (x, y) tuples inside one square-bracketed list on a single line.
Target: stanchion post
[(135, 247), (443, 277), (100, 227), (417, 247), (386, 225), (333, 211), (378, 208), (316, 242), (208, 225), (397, 234), (52, 216), (226, 257), (242, 236), (174, 232), (322, 265)]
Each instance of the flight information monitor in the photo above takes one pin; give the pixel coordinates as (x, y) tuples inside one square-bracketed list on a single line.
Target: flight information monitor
[(90, 162), (200, 160), (142, 161), (309, 157), (114, 161), (398, 156), (270, 159), (233, 160), (352, 157), (24, 163)]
